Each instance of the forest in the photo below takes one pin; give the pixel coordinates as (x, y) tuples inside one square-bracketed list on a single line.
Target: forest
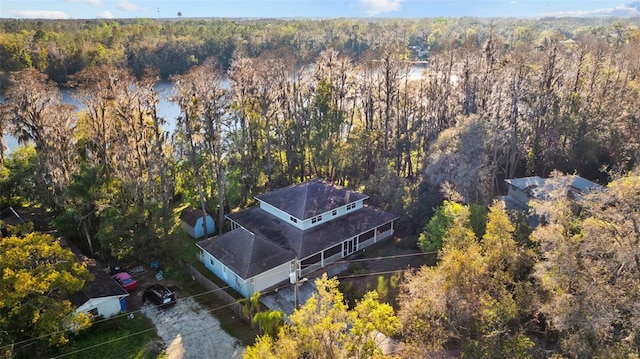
[(268, 103)]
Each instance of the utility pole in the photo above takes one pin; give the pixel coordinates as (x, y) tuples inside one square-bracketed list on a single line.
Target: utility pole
[(294, 278)]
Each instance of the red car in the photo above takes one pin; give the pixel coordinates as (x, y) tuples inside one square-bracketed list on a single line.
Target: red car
[(125, 280)]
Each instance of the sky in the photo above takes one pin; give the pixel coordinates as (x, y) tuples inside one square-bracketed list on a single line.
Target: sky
[(106, 9)]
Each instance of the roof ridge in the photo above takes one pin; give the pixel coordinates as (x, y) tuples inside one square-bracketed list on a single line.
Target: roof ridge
[(306, 197)]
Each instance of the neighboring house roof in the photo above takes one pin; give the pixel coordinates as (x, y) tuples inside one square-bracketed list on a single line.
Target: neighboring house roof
[(310, 198), (101, 286), (265, 241), (10, 217), (539, 188), (190, 215)]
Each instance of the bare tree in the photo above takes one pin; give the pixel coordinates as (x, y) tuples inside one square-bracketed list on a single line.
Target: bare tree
[(203, 123), (34, 109)]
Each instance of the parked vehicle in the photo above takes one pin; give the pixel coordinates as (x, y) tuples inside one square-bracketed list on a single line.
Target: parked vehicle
[(126, 281), (159, 295)]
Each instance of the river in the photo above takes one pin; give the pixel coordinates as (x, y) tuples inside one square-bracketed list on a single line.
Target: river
[(167, 109)]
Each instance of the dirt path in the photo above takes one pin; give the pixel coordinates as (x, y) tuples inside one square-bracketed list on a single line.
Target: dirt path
[(189, 331)]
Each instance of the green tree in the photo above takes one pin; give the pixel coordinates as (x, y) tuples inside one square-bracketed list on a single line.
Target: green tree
[(38, 275), (17, 182), (430, 239), (589, 270), (250, 306), (269, 321), (325, 328), (477, 296), (200, 131)]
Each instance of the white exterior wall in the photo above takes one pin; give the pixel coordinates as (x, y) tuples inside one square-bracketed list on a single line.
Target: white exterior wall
[(308, 223), (359, 246), (281, 215), (270, 278), (107, 306), (367, 243), (252, 285)]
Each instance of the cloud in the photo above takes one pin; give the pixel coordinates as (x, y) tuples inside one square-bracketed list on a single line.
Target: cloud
[(40, 14), (625, 10), (375, 7), (127, 6), (105, 15), (90, 2)]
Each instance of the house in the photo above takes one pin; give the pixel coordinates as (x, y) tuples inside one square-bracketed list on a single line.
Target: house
[(302, 227), (102, 296), (522, 190), (192, 221)]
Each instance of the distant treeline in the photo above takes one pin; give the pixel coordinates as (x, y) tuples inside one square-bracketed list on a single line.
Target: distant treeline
[(60, 48)]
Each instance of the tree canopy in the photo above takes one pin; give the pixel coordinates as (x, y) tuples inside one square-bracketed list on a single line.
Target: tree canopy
[(325, 327), (38, 277)]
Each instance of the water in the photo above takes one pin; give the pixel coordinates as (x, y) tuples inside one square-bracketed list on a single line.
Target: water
[(167, 109)]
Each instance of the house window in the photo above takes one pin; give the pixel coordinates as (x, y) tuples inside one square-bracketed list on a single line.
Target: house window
[(333, 250), (316, 219), (351, 206), (94, 312), (365, 236), (334, 212), (293, 219), (310, 261), (385, 227)]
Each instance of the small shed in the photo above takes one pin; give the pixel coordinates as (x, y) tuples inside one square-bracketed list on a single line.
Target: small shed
[(192, 221), (102, 296)]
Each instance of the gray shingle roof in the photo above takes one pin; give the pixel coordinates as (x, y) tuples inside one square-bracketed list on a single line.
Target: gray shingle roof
[(245, 253), (101, 286), (539, 188), (310, 198)]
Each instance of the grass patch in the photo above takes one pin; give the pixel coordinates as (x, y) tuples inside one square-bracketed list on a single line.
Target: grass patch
[(121, 338)]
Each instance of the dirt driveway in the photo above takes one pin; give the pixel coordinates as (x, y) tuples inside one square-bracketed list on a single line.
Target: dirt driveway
[(188, 330)]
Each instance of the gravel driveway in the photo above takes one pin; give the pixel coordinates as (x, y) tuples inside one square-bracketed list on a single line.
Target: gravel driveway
[(188, 330)]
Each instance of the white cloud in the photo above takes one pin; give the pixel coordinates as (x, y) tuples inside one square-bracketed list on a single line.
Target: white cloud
[(40, 14), (105, 15), (90, 2), (375, 7), (127, 6), (625, 10)]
